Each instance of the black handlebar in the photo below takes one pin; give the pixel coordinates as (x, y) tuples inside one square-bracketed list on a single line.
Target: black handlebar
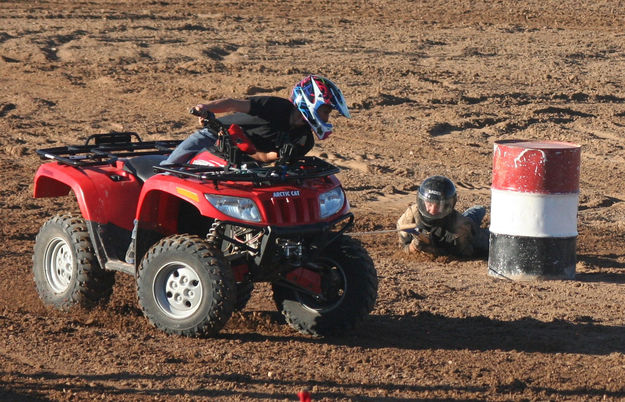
[(196, 112), (208, 120), (224, 142)]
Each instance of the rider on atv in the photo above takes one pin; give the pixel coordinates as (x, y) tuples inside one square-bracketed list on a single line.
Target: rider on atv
[(268, 127), (208, 229)]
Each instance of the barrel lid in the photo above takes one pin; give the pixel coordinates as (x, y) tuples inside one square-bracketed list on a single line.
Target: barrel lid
[(538, 144)]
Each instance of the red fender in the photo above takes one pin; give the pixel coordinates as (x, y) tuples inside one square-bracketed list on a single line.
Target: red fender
[(105, 194), (161, 195)]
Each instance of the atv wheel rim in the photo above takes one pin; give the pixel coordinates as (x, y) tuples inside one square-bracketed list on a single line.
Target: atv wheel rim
[(58, 265), (178, 290), (334, 287)]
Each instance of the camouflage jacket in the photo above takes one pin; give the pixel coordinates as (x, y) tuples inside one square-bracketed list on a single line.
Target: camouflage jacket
[(458, 241)]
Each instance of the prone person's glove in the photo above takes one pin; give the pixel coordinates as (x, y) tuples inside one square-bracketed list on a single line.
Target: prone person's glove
[(422, 242), (418, 234), (443, 236), (450, 238), (411, 229), (241, 140)]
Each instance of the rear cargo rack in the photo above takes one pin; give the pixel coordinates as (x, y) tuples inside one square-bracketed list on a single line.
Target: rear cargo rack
[(106, 149)]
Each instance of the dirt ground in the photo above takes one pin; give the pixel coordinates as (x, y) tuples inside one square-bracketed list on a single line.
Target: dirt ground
[(431, 85)]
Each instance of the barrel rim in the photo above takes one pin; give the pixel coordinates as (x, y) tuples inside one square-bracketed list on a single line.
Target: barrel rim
[(538, 144)]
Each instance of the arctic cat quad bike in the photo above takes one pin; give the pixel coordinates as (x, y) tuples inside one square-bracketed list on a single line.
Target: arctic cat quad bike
[(205, 232)]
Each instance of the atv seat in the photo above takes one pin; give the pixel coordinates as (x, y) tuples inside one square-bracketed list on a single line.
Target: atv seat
[(142, 167)]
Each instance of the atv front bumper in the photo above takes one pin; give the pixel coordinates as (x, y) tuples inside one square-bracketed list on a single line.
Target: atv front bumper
[(290, 246)]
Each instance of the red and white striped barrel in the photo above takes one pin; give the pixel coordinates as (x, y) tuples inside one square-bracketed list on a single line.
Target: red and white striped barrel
[(533, 218)]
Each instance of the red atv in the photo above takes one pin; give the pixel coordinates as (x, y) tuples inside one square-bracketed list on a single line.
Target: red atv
[(204, 233)]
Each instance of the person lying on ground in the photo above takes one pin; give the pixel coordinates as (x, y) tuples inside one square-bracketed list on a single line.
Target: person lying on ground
[(432, 225)]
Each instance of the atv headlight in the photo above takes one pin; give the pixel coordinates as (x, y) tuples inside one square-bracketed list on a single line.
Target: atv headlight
[(235, 207), (331, 202)]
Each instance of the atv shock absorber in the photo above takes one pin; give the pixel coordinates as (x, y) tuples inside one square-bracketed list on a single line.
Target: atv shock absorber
[(236, 241), (214, 233)]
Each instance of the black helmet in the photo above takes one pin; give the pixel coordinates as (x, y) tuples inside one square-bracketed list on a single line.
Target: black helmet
[(436, 198)]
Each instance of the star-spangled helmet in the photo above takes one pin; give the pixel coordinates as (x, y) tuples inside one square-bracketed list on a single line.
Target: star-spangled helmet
[(311, 93)]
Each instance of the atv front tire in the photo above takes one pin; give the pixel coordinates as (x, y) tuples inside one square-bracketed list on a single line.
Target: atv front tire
[(185, 287), (349, 286), (65, 266), (244, 294)]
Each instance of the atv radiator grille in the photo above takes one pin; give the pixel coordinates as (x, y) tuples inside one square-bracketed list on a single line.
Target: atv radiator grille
[(285, 211)]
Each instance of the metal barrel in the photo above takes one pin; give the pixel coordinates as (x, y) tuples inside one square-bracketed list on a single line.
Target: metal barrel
[(534, 199)]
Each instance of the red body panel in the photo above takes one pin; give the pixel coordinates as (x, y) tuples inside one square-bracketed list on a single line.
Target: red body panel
[(207, 158), (283, 205), (306, 278), (105, 194)]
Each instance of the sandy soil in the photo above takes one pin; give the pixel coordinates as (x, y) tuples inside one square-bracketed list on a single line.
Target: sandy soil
[(431, 86)]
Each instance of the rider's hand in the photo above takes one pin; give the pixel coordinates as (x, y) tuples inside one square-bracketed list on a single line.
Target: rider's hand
[(203, 113), (286, 152)]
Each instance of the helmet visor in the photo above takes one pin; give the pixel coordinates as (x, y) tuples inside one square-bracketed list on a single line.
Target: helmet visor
[(433, 207)]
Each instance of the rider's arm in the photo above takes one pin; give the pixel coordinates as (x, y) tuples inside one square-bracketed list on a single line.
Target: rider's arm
[(226, 105)]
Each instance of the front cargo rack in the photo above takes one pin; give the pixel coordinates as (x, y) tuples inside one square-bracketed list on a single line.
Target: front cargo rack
[(307, 167), (106, 149)]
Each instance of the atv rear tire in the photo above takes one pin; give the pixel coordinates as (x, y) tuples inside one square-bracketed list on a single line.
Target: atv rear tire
[(65, 266), (185, 287), (349, 285)]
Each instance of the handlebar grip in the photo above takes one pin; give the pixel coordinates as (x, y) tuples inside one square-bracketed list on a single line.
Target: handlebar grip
[(203, 114)]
